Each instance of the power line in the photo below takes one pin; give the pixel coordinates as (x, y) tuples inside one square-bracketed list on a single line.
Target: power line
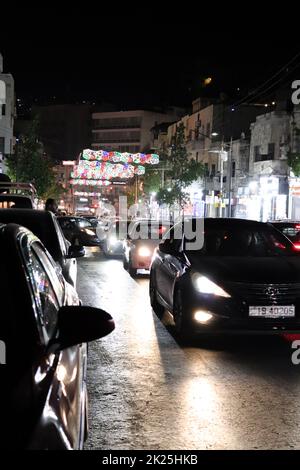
[(254, 93)]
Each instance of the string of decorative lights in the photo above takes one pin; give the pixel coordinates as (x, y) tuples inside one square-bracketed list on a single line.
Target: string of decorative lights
[(85, 182), (106, 171), (118, 157)]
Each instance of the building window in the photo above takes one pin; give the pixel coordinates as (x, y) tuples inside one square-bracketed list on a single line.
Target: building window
[(197, 157), (271, 151), (233, 169), (257, 153), (208, 129), (206, 170), (213, 170), (3, 110), (2, 142)]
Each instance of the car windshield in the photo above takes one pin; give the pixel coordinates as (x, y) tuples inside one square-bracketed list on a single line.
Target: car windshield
[(82, 223), (241, 241), (292, 231), (149, 230)]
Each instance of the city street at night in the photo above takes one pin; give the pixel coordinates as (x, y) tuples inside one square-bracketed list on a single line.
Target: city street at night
[(146, 391), (150, 236)]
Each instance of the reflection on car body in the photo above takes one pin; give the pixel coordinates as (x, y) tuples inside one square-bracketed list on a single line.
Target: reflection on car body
[(43, 381), (44, 225)]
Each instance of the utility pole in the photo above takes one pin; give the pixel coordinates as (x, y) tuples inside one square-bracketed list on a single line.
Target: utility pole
[(229, 174)]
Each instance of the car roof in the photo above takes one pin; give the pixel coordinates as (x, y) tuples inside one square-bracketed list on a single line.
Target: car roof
[(42, 223)]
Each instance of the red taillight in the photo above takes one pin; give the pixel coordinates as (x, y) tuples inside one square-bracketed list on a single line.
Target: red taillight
[(162, 230), (296, 246), (280, 245), (297, 227)]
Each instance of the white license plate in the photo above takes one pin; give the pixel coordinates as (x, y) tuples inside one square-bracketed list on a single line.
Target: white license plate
[(272, 311)]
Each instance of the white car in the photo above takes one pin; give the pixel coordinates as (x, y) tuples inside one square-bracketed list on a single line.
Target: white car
[(142, 239)]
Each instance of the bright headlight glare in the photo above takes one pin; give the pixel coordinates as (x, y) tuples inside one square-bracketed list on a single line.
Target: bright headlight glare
[(113, 240), (143, 251), (206, 286), (202, 317), (89, 232)]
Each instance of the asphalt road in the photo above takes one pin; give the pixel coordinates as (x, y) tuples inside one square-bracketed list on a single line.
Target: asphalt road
[(147, 391)]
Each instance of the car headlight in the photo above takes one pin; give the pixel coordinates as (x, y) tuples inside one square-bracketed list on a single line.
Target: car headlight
[(206, 286), (143, 251), (112, 240), (89, 232)]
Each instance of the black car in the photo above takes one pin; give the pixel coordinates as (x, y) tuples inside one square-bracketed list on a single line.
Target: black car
[(92, 219), (291, 229), (79, 231), (245, 278), (43, 335), (44, 225)]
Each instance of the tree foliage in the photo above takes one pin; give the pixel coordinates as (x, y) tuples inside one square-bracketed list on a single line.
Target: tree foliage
[(181, 171), (29, 164)]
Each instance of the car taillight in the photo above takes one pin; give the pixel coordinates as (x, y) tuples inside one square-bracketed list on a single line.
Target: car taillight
[(280, 245), (297, 226), (296, 246)]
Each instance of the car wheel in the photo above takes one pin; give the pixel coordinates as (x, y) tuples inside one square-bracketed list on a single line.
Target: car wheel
[(182, 324), (157, 307)]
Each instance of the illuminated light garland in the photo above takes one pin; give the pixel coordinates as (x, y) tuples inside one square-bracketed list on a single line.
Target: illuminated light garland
[(85, 193), (118, 157), (86, 182), (106, 171)]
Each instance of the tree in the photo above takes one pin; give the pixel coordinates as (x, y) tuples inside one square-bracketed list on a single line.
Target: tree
[(29, 164), (180, 171)]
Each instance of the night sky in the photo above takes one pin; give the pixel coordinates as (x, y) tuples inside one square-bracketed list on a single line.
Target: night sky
[(131, 64)]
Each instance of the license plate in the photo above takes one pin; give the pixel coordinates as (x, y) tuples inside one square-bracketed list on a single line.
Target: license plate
[(272, 311)]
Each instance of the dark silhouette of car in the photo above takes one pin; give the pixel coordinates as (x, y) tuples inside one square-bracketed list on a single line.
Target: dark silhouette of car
[(245, 278), (45, 226), (289, 228), (43, 353), (79, 231)]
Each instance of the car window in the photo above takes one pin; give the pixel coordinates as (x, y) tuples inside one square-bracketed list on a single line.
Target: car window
[(83, 223), (61, 238), (66, 223), (242, 241), (148, 230), (45, 295)]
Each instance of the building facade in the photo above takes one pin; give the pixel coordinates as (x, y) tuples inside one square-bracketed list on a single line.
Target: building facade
[(126, 131), (7, 115)]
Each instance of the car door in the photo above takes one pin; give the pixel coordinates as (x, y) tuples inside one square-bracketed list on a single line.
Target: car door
[(61, 376), (68, 265), (170, 266)]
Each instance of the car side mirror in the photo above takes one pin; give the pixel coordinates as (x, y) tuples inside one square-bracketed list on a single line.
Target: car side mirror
[(80, 324), (75, 251)]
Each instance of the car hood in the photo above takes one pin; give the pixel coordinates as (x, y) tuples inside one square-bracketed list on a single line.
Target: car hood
[(249, 269)]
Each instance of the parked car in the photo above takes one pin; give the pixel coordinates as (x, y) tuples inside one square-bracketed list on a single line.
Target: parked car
[(113, 244), (143, 237), (290, 229), (45, 226), (17, 195), (92, 219), (245, 278), (43, 336), (79, 231)]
